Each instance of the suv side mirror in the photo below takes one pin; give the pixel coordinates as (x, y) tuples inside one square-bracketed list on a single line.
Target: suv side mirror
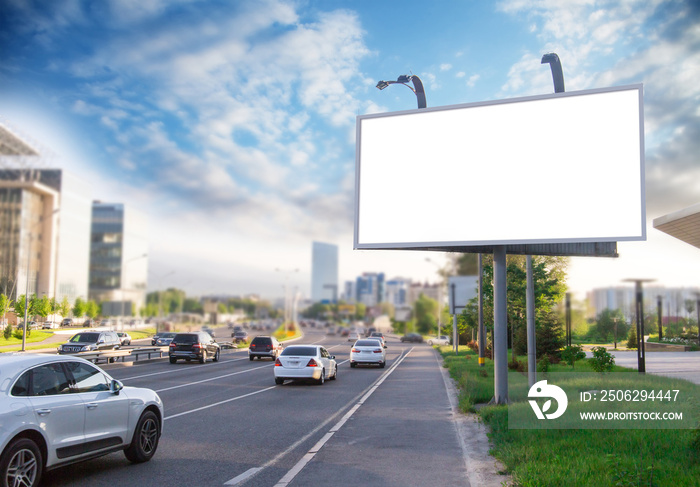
[(115, 386)]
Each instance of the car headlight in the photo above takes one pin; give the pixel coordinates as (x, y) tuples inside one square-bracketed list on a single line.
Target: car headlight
[(87, 348)]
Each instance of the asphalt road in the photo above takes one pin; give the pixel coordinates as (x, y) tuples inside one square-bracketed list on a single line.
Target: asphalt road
[(227, 423)]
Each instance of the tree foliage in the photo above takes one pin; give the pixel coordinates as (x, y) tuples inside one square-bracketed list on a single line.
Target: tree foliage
[(79, 307), (425, 310)]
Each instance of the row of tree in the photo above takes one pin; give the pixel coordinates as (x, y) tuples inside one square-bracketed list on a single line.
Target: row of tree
[(45, 306)]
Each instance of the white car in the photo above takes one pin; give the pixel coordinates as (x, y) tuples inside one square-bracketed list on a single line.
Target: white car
[(442, 340), (368, 351), (58, 410), (311, 362), (353, 336)]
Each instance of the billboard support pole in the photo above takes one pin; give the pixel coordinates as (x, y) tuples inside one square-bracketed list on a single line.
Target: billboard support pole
[(500, 326), (530, 311), (455, 335), (482, 335)]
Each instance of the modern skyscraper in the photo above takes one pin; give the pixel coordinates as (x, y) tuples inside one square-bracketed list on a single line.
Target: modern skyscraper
[(324, 272), (118, 258), (44, 233)]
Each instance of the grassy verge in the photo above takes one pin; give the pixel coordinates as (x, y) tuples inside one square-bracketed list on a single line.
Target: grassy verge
[(576, 457), (282, 334), (34, 336)]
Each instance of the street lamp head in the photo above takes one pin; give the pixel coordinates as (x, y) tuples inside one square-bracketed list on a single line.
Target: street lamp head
[(382, 84), (404, 78), (550, 57)]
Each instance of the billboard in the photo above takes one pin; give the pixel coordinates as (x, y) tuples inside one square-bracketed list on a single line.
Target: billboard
[(564, 168), (461, 290)]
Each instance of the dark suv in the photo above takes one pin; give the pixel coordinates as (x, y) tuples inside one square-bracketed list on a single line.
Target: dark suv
[(264, 346), (90, 341), (194, 346)]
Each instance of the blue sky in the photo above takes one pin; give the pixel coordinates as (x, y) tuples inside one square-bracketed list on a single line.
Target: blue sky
[(232, 124)]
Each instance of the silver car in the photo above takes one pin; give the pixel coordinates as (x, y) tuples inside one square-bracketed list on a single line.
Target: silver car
[(58, 410), (310, 362)]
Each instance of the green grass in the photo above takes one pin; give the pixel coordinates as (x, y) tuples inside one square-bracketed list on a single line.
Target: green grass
[(34, 336), (576, 457)]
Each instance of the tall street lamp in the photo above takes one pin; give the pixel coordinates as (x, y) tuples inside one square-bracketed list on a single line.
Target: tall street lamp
[(286, 293), (404, 79), (439, 310), (123, 312), (26, 289), (639, 306)]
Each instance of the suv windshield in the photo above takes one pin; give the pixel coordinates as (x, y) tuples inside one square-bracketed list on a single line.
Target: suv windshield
[(303, 351), (262, 341), (85, 337)]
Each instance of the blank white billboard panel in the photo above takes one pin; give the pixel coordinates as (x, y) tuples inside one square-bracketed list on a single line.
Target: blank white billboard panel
[(566, 167)]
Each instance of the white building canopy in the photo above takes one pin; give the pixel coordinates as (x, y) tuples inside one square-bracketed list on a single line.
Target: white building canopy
[(683, 224)]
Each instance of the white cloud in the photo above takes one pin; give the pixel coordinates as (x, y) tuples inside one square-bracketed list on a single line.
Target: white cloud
[(445, 67)]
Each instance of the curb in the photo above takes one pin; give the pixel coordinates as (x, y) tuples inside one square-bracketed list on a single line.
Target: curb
[(483, 470)]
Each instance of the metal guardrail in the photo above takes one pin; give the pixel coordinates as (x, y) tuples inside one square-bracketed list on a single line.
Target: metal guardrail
[(138, 352)]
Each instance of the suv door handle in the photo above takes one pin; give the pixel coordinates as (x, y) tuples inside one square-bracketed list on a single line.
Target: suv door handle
[(91, 405), (43, 412)]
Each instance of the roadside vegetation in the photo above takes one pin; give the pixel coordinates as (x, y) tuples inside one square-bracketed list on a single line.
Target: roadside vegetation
[(575, 457)]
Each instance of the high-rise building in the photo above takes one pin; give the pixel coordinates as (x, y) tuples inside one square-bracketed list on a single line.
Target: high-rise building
[(397, 291), (44, 233), (324, 272), (370, 288), (118, 258)]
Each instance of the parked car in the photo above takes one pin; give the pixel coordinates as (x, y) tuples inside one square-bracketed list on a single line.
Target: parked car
[(310, 362), (49, 325), (128, 418), (368, 351), (90, 341), (412, 337), (380, 335), (239, 336), (67, 322), (197, 345), (264, 346), (89, 322), (165, 338), (442, 340), (124, 338)]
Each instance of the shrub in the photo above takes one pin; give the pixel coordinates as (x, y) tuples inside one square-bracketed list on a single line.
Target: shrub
[(544, 364), (18, 333), (473, 345), (572, 354), (632, 340), (7, 332), (602, 361), (517, 365)]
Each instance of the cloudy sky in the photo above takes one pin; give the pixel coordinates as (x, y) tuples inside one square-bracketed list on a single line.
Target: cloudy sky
[(232, 124)]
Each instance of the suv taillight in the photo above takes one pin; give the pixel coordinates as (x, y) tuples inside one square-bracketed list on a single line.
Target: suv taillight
[(312, 363), (196, 345), (278, 363)]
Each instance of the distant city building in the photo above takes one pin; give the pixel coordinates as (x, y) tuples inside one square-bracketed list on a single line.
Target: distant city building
[(674, 301), (431, 291), (118, 258), (349, 292), (44, 232), (324, 272), (370, 288), (397, 291)]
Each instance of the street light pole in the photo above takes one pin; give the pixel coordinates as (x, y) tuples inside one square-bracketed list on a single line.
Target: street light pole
[(404, 79), (286, 293), (639, 306)]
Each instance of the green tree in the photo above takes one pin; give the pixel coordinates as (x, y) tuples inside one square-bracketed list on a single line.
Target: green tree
[(4, 306), (221, 308), (19, 306), (425, 310), (42, 306), (360, 311), (7, 332), (191, 305), (606, 323), (92, 309), (601, 361), (632, 340), (79, 307), (64, 307)]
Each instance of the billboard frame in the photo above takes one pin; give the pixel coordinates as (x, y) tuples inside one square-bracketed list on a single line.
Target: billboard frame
[(579, 246)]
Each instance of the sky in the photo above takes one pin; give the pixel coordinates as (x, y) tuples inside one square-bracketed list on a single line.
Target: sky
[(231, 125)]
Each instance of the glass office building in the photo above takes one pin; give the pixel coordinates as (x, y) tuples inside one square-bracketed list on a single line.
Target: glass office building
[(324, 272), (118, 259)]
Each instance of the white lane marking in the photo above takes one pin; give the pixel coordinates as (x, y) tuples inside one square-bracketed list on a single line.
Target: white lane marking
[(323, 424), (179, 369), (218, 403), (248, 473), (284, 481), (214, 378)]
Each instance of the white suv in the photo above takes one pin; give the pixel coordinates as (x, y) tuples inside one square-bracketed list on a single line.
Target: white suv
[(49, 416)]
